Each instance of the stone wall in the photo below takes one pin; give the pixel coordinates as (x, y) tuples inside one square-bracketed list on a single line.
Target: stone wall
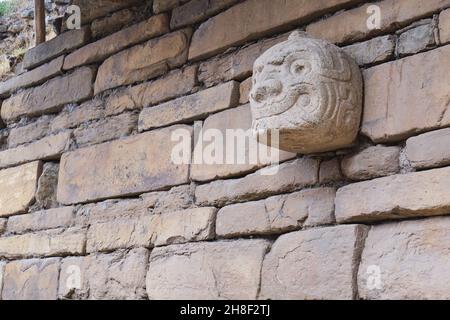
[(93, 207)]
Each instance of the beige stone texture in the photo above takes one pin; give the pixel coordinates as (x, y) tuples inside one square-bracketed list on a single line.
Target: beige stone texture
[(429, 150)]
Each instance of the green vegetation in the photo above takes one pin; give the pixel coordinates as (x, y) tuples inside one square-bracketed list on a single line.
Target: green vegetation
[(6, 7)]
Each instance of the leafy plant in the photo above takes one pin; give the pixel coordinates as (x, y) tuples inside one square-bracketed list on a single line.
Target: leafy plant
[(6, 7)]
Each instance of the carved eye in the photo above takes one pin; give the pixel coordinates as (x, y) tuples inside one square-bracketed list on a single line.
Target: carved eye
[(297, 67)]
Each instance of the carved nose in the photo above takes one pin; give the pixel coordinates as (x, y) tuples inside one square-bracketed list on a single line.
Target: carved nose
[(266, 89)]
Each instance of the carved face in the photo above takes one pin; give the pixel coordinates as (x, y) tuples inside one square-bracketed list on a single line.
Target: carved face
[(309, 91)]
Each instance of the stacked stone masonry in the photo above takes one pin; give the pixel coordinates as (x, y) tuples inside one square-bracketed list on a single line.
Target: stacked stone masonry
[(88, 180)]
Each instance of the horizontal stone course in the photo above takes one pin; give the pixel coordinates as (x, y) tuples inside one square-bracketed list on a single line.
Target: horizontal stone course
[(289, 176), (125, 167), (429, 150), (32, 78), (417, 39), (190, 108), (314, 264), (29, 132), (257, 18), (372, 51), (400, 103), (91, 10), (102, 49), (277, 214), (415, 194), (352, 25), (51, 96), (143, 62), (49, 50), (228, 270), (48, 148), (406, 261), (18, 188), (44, 244)]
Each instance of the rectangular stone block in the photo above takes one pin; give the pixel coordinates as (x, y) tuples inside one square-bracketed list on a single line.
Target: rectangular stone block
[(152, 230), (91, 10), (166, 5), (42, 220), (130, 166), (229, 270), (48, 148), (417, 39), (48, 50), (415, 194), (111, 128), (235, 66), (32, 78), (408, 260), (244, 90), (47, 243), (286, 177), (277, 214), (102, 49), (444, 26), (372, 162), (256, 18), (73, 117), (316, 264), (237, 152), (116, 276), (144, 61), (196, 11), (30, 132), (429, 150), (399, 103), (18, 187), (175, 84), (190, 108), (353, 25), (116, 21), (51, 96), (35, 279), (372, 51)]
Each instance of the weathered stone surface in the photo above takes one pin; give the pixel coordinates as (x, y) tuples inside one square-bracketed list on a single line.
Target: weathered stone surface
[(3, 222), (47, 185), (314, 264), (235, 66), (143, 62), (372, 162), (352, 25), (102, 49), (91, 10), (190, 108), (277, 214), (239, 161), (51, 96), (124, 167), (74, 116), (34, 279), (196, 11), (29, 132), (47, 243), (152, 230), (175, 84), (42, 220), (444, 26), (372, 51), (244, 90), (330, 171), (257, 18), (120, 275), (313, 99), (48, 148), (429, 150), (412, 258), (166, 5), (106, 129), (32, 78), (286, 177), (228, 270), (17, 188), (416, 39), (396, 96), (46, 51), (400, 196)]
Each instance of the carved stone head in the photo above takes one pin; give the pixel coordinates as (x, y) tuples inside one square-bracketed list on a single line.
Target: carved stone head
[(310, 91)]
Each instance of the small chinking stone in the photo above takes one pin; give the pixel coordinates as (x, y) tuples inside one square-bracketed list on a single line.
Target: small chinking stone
[(310, 92)]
